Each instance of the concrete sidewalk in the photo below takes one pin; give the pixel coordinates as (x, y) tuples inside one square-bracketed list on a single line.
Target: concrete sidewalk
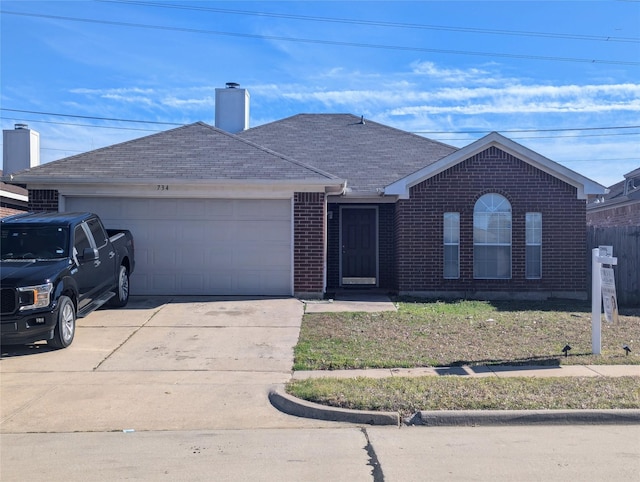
[(302, 408), (501, 371)]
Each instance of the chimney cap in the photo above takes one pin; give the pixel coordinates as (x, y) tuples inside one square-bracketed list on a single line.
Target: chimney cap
[(232, 85), (21, 126)]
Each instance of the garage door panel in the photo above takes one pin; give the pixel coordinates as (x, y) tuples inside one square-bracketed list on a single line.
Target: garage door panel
[(163, 283), (278, 256), (260, 230), (258, 209), (222, 282), (192, 258), (192, 231), (203, 246)]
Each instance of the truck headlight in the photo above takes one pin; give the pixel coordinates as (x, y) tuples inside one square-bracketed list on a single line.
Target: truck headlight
[(32, 297)]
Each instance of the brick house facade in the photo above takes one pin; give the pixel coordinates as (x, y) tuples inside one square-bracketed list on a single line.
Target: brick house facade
[(419, 229), (347, 204)]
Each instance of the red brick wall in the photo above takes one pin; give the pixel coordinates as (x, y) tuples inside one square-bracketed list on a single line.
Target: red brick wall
[(43, 200), (309, 218), (6, 211), (628, 215), (419, 224)]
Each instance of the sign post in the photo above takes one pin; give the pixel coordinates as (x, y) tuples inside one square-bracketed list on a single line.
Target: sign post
[(602, 287)]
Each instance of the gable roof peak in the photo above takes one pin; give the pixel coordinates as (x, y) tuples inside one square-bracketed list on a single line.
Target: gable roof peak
[(583, 185)]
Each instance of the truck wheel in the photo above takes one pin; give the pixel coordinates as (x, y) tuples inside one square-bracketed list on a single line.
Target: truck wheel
[(66, 324), (122, 293)]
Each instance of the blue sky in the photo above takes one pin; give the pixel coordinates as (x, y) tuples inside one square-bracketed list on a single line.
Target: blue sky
[(562, 78)]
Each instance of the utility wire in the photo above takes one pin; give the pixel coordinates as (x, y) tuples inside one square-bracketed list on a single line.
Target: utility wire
[(326, 42), (86, 125), (540, 137), (435, 133), (91, 117), (377, 23), (533, 130), (415, 132)]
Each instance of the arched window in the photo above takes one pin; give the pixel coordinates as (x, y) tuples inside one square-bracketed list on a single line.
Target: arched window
[(492, 237)]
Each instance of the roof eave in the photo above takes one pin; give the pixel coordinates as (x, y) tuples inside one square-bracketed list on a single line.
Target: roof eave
[(583, 185)]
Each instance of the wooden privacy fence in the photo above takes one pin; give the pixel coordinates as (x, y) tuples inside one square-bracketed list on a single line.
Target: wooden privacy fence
[(626, 247)]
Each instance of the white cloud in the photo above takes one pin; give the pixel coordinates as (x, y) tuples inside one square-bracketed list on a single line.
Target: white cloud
[(432, 71)]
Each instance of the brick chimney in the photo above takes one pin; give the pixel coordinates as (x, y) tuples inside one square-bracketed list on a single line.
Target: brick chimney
[(232, 108)]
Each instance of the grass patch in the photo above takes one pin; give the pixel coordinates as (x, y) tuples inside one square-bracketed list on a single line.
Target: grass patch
[(470, 333), (441, 333), (409, 395)]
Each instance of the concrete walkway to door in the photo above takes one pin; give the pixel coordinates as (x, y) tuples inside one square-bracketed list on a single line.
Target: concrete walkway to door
[(342, 301)]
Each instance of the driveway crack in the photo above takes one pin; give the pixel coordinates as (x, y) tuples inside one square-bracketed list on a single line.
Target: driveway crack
[(126, 340), (376, 470)]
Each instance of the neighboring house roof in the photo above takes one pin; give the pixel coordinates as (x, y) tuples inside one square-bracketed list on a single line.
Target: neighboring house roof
[(193, 152), (621, 193), (12, 192), (584, 186), (13, 199), (367, 154)]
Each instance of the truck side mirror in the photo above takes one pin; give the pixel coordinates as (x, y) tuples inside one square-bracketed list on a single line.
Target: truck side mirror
[(89, 254)]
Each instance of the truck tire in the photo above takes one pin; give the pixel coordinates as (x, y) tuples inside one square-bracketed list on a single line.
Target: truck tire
[(66, 325), (122, 290)]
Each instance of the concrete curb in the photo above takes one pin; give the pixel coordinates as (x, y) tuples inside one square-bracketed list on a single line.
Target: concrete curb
[(302, 408), (450, 418), (466, 418)]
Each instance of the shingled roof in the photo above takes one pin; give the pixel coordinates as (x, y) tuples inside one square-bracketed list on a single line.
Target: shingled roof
[(369, 155), (192, 152)]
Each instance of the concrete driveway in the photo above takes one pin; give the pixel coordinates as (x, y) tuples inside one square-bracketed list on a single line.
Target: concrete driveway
[(160, 364)]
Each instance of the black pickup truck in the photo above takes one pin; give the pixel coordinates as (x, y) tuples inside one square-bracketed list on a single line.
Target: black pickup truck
[(55, 268)]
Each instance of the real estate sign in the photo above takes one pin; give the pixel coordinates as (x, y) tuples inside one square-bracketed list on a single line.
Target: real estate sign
[(609, 299)]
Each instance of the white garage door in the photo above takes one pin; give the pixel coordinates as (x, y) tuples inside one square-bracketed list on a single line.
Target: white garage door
[(202, 246)]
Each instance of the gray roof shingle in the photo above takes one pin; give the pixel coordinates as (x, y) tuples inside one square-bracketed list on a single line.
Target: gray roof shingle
[(192, 152), (369, 155)]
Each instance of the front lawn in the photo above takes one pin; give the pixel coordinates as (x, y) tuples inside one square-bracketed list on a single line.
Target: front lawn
[(466, 333), (458, 333)]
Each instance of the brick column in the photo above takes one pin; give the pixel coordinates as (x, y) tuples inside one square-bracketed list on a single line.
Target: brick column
[(309, 228), (43, 200)]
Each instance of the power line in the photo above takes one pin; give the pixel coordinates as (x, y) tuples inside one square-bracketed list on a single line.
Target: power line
[(435, 133), (532, 130), (86, 125), (415, 132), (91, 117), (540, 137), (377, 23), (327, 42)]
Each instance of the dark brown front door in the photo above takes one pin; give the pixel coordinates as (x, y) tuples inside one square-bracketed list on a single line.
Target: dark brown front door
[(359, 247)]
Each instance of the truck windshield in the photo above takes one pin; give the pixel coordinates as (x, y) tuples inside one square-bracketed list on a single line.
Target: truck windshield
[(32, 242)]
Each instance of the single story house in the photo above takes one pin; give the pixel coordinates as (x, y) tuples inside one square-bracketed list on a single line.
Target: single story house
[(316, 203)]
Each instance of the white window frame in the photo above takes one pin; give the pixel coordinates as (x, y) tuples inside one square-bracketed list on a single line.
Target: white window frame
[(533, 239), (451, 239), (492, 232)]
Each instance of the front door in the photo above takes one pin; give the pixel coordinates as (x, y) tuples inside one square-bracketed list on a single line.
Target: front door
[(359, 246)]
